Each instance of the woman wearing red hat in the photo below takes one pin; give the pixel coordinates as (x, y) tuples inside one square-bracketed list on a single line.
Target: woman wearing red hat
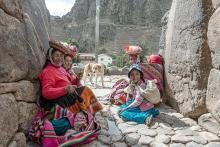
[(134, 53), (154, 70), (64, 105), (155, 59)]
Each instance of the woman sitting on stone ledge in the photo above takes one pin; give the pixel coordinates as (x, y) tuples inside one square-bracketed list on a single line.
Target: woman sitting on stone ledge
[(67, 109)]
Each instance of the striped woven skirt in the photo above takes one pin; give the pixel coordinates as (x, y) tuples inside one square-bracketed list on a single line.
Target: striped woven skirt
[(67, 121)]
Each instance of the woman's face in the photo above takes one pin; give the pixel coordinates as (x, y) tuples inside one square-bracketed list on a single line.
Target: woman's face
[(68, 62), (133, 59), (57, 58), (135, 76)]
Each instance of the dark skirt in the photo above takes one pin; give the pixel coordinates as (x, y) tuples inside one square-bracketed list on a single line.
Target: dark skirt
[(64, 101)]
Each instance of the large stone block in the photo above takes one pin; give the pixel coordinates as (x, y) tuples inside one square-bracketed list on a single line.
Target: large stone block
[(14, 56), (8, 118), (162, 43), (26, 115), (187, 56), (212, 96), (209, 123), (12, 7), (24, 39), (19, 140), (23, 90), (215, 3), (214, 38)]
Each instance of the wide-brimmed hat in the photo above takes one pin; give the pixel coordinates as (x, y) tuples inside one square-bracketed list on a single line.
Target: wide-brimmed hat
[(133, 50), (135, 67), (64, 47)]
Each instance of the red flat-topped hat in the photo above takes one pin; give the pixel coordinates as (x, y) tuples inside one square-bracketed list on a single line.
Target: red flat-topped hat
[(133, 50), (64, 47), (156, 59)]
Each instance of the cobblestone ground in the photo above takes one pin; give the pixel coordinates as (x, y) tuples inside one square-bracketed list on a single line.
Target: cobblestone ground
[(169, 129)]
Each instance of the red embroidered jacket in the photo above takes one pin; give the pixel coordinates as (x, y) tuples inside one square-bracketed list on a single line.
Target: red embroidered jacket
[(54, 80)]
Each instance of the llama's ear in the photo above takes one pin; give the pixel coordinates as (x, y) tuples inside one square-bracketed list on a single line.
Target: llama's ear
[(155, 81)]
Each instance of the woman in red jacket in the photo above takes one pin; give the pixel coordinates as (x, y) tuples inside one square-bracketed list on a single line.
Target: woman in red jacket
[(65, 104)]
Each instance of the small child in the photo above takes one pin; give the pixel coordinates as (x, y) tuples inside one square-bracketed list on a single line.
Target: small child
[(133, 92), (137, 108)]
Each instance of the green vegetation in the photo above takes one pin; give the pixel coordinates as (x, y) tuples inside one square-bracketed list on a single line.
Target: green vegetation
[(77, 59), (146, 49), (76, 43), (113, 56), (122, 59), (73, 42), (83, 50)]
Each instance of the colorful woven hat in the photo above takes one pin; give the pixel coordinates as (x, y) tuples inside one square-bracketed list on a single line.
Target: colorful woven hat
[(64, 47), (137, 67), (133, 50)]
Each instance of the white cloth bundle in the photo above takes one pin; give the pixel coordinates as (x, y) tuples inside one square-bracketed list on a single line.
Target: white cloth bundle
[(151, 93)]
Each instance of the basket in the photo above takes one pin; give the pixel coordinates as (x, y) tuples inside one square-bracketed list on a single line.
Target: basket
[(133, 50)]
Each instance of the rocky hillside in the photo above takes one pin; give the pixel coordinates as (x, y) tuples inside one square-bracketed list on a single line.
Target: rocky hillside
[(121, 23), (24, 39)]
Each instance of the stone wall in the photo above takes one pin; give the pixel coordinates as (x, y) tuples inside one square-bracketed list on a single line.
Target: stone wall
[(192, 59), (24, 39), (213, 94)]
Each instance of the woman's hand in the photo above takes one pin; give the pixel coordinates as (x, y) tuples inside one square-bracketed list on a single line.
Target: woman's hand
[(70, 88)]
